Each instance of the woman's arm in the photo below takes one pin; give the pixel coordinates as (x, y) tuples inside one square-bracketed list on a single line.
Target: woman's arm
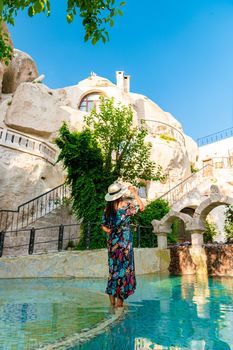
[(133, 190), (106, 229)]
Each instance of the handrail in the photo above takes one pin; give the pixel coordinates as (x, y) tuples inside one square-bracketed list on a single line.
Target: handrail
[(24, 143), (217, 136), (34, 209), (179, 190), (47, 239), (173, 131)]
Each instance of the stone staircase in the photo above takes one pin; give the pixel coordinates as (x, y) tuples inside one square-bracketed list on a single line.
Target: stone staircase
[(47, 228), (44, 214), (31, 211), (195, 186)]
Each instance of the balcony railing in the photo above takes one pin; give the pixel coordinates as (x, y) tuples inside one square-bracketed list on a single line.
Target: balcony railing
[(218, 136), (164, 130), (19, 141)]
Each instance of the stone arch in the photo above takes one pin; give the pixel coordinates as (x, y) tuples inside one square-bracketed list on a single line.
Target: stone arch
[(169, 217), (163, 227), (207, 205), (189, 210)]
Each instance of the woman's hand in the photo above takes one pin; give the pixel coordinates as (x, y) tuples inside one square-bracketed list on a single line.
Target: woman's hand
[(106, 229), (132, 190)]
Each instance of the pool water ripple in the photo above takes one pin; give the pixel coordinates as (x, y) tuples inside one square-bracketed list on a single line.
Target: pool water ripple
[(173, 313), (37, 312), (165, 313)]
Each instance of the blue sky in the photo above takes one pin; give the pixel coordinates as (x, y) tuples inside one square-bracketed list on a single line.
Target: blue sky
[(179, 53)]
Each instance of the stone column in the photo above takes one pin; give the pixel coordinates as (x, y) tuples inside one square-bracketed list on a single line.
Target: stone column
[(161, 232), (197, 238), (196, 229), (197, 252), (162, 240)]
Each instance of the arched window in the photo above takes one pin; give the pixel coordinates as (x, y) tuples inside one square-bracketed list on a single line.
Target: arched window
[(89, 102)]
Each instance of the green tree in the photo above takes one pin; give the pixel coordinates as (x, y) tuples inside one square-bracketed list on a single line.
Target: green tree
[(83, 162), (87, 157), (229, 223), (125, 153), (96, 16)]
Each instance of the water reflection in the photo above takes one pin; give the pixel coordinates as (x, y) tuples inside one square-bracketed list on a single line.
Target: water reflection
[(34, 312), (174, 313)]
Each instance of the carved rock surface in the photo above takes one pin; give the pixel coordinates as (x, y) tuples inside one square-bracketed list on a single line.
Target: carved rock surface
[(24, 176), (35, 110), (172, 156), (21, 69)]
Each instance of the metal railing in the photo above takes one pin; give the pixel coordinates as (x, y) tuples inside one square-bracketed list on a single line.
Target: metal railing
[(19, 141), (59, 237), (163, 129), (32, 210), (218, 136), (190, 183), (38, 240)]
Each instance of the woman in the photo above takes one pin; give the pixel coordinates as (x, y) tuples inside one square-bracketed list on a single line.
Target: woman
[(116, 223)]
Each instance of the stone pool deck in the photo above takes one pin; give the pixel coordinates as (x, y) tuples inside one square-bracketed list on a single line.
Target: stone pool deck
[(92, 263)]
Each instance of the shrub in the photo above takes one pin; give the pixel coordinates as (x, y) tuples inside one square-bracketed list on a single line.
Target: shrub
[(155, 210), (210, 232), (229, 223)]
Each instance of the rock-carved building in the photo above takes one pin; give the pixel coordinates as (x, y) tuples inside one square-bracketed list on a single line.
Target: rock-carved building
[(31, 114)]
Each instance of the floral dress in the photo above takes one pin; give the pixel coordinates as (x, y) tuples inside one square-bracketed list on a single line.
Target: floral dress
[(121, 281)]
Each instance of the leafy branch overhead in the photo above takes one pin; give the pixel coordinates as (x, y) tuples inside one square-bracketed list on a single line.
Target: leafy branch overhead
[(96, 16)]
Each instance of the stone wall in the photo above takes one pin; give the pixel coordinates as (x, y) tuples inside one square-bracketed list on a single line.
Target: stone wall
[(91, 263), (219, 260)]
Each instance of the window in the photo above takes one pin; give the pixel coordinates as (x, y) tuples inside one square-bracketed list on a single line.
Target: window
[(89, 102)]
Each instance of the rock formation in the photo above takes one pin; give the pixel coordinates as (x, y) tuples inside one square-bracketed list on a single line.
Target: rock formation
[(35, 109), (21, 69)]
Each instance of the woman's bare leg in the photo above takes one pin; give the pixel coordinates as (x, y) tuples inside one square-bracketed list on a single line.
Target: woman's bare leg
[(112, 300), (120, 302)]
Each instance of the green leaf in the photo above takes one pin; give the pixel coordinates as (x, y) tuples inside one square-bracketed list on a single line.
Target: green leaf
[(31, 11), (120, 12), (94, 40), (70, 17), (38, 6), (111, 23), (1, 6), (122, 3)]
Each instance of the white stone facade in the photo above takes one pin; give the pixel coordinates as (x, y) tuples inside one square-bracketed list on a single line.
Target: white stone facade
[(36, 112)]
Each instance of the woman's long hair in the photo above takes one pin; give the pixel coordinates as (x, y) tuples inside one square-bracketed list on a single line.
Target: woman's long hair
[(112, 207)]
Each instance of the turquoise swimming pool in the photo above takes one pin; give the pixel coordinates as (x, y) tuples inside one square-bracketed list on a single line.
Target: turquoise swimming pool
[(165, 313)]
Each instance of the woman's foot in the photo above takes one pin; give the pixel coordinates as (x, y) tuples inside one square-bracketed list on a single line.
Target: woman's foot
[(112, 300), (120, 302)]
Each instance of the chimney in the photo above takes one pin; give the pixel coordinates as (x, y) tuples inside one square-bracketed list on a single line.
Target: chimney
[(126, 83), (123, 81), (120, 79)]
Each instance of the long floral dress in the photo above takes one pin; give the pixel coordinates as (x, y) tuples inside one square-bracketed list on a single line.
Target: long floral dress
[(121, 281)]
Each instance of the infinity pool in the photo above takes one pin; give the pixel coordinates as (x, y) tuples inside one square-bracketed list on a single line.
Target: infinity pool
[(165, 313)]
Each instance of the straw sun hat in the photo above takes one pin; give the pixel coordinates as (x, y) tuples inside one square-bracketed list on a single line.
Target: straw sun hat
[(115, 191)]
